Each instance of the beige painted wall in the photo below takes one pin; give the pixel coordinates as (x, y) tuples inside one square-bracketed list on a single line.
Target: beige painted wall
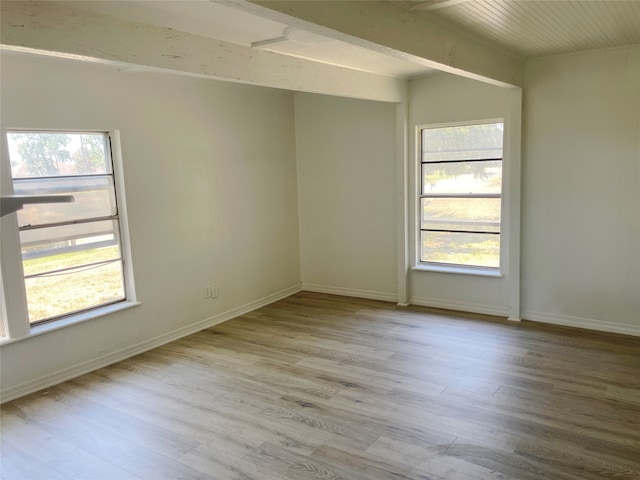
[(581, 204), (346, 180), (210, 178), (443, 99)]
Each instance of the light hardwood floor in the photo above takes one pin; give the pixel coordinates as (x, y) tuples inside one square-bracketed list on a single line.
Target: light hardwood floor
[(325, 387)]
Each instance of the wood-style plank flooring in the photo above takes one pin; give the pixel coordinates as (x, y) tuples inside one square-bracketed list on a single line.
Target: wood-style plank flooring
[(325, 387)]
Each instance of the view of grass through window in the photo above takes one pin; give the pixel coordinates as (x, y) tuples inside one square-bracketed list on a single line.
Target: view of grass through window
[(71, 252), (460, 201), (62, 293)]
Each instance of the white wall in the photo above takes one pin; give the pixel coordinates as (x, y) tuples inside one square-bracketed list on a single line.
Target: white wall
[(346, 152), (442, 99), (210, 178), (581, 204)]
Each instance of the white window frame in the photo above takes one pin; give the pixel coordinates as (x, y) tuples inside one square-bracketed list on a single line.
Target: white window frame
[(14, 316), (483, 271)]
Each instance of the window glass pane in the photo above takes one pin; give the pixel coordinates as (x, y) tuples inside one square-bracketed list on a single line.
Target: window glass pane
[(42, 242), (465, 142), (77, 265), (49, 154), (471, 249), (468, 214), (71, 268), (94, 197), (75, 290), (465, 177)]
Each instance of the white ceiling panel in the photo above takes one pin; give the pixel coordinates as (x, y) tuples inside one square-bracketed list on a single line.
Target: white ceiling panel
[(534, 28)]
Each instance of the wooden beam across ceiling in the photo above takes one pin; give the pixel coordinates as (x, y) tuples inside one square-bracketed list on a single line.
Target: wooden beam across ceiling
[(390, 29), (50, 29), (435, 4)]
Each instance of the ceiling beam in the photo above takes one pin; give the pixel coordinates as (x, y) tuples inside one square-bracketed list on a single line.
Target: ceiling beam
[(61, 31), (269, 42), (435, 5), (390, 29)]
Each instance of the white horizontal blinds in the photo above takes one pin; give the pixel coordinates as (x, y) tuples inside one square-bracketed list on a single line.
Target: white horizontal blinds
[(71, 252), (460, 200)]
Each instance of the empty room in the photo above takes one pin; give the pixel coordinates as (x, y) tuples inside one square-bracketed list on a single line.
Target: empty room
[(276, 240)]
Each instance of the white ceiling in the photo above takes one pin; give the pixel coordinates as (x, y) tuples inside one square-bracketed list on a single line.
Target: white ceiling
[(534, 28), (209, 19)]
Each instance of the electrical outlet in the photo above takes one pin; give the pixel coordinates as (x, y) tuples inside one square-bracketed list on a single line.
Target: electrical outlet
[(206, 292), (214, 292)]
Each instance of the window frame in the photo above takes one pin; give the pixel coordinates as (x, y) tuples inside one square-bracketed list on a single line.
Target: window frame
[(14, 317), (442, 267)]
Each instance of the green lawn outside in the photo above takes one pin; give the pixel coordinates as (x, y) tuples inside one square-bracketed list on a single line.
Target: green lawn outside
[(73, 290)]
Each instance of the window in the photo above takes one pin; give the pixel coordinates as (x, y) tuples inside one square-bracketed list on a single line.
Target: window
[(460, 198), (71, 253)]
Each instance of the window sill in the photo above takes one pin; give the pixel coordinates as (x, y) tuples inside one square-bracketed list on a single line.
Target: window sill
[(72, 320), (475, 271)]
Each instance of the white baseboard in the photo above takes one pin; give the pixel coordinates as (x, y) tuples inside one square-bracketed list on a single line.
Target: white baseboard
[(461, 306), (580, 322), (350, 292), (63, 375)]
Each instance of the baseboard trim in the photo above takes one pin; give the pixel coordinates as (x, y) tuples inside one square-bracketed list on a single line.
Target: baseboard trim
[(63, 375), (460, 306), (350, 292), (581, 322)]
